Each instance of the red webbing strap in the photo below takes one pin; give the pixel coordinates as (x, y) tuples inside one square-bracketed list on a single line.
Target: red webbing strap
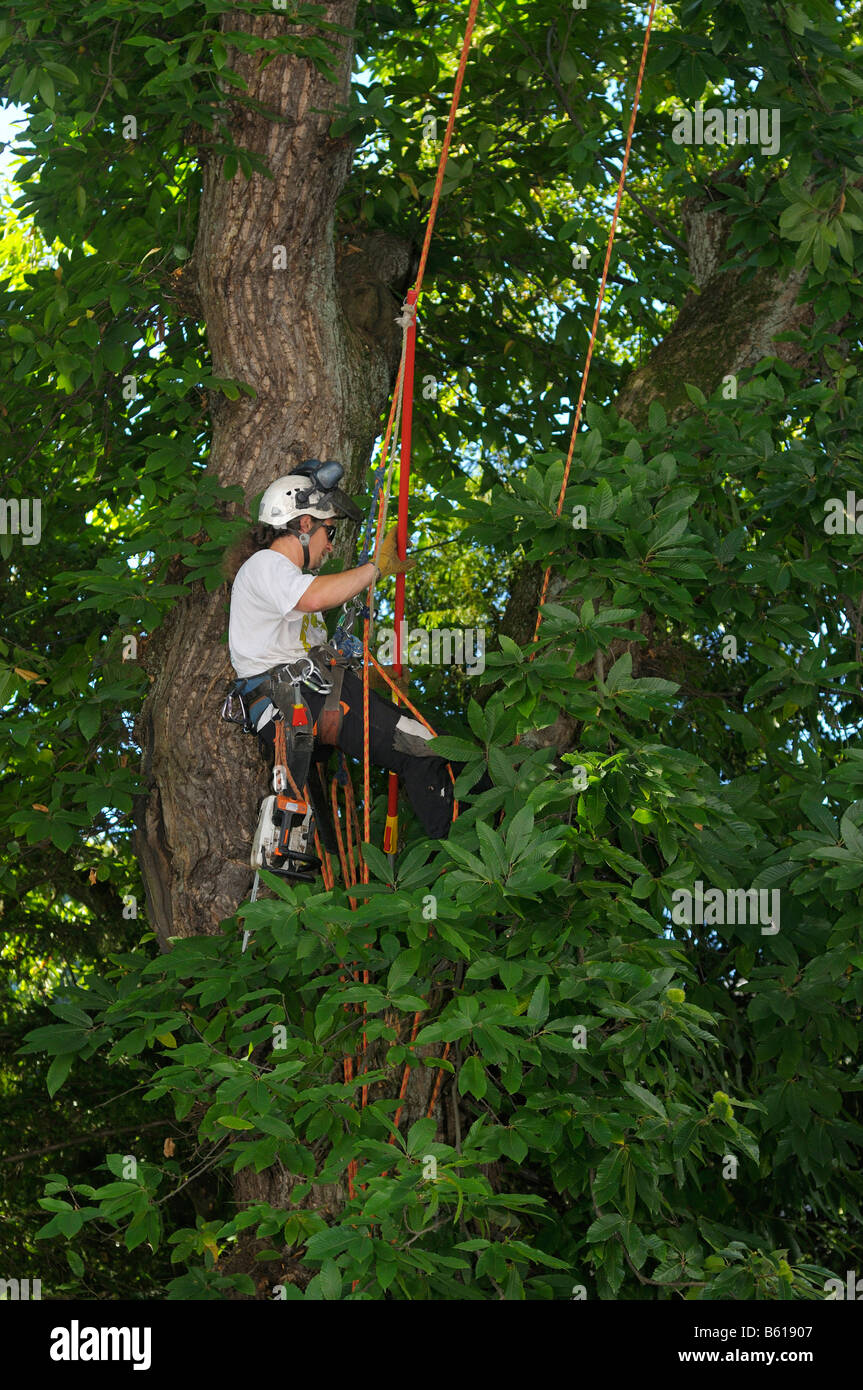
[(391, 832), (404, 474), (404, 488)]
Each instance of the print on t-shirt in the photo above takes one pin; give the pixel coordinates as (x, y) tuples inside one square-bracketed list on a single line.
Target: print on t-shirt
[(312, 631)]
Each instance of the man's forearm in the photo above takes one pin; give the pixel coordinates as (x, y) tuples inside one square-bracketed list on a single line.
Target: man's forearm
[(329, 590)]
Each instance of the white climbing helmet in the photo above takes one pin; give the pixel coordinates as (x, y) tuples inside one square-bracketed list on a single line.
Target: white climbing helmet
[(311, 490), (294, 495)]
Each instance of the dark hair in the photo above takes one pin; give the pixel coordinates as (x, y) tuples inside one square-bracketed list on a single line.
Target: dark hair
[(258, 537)]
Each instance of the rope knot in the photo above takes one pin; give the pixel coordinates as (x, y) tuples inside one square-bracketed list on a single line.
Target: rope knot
[(407, 317)]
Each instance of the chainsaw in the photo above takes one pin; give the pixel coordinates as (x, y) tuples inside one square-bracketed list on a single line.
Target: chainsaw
[(284, 839)]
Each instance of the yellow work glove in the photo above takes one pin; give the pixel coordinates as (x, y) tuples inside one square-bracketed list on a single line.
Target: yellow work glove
[(388, 561)]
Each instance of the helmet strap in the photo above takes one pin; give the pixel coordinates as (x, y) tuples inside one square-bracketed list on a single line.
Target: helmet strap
[(304, 537)]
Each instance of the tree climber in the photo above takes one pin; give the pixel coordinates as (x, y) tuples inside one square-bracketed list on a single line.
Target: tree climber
[(285, 663)]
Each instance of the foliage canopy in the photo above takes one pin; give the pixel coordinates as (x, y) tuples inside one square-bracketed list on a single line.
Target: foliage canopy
[(598, 1166)]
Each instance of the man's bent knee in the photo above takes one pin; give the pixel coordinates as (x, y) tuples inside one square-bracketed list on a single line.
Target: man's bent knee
[(411, 737)]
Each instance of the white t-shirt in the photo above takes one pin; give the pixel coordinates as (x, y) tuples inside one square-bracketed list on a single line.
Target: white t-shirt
[(265, 627)]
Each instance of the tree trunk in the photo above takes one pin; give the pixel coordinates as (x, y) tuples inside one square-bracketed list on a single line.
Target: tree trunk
[(318, 342), (724, 327)]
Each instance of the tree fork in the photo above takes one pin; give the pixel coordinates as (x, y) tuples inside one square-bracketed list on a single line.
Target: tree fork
[(316, 342), (744, 319)]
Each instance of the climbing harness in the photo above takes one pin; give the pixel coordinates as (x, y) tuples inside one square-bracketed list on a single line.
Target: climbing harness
[(346, 650), (329, 722), (287, 824)]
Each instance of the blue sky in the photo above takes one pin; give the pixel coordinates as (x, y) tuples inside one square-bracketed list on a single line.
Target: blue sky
[(9, 116)]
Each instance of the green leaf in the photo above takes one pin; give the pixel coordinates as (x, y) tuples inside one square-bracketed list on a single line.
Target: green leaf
[(89, 719), (403, 968), (635, 1244), (656, 417), (378, 864), (70, 1222), (537, 1009), (851, 835), (324, 1244), (57, 1038), (467, 860), (492, 850), (654, 685), (510, 648), (234, 1122), (603, 505), (330, 1280), (58, 1071), (472, 1078), (476, 719), (604, 1227), (652, 1102), (620, 671), (519, 830), (458, 748), (420, 1135)]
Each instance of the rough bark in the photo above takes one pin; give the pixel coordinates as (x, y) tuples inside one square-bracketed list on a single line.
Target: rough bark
[(318, 342), (725, 326)]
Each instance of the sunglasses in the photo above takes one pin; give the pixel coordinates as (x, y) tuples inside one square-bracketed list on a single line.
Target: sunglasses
[(331, 532)]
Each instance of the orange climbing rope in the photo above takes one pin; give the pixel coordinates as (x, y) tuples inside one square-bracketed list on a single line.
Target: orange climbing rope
[(346, 843), (349, 875), (405, 378), (405, 372), (601, 296), (450, 126)]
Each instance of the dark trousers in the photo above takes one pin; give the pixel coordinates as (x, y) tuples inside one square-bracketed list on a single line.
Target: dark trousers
[(426, 778)]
